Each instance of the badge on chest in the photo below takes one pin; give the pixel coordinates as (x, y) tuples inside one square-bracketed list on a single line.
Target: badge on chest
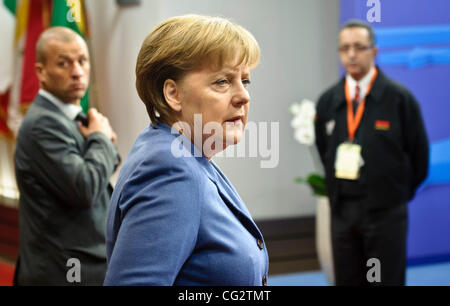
[(348, 161)]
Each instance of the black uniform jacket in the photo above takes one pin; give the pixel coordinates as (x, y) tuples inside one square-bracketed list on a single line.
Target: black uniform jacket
[(394, 143)]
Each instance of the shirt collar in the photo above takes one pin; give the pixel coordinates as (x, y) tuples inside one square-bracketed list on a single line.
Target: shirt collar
[(68, 109), (364, 82)]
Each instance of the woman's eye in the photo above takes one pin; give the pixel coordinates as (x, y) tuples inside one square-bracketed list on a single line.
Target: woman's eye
[(222, 82), (246, 82)]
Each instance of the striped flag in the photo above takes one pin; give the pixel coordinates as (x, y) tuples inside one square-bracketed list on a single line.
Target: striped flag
[(32, 17), (7, 26), (8, 187), (72, 14)]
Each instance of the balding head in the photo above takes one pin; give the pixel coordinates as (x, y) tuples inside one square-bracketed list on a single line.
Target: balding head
[(62, 64), (61, 34)]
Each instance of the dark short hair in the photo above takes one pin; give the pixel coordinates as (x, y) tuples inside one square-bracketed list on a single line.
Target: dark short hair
[(356, 23)]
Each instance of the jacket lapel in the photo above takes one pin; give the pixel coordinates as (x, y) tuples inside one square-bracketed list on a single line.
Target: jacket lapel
[(62, 118), (375, 93), (233, 201), (224, 187), (378, 86), (339, 95)]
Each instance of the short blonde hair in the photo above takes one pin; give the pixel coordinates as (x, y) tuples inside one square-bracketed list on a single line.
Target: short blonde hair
[(181, 44)]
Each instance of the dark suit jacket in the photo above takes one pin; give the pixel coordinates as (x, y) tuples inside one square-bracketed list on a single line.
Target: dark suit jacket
[(63, 180), (394, 143)]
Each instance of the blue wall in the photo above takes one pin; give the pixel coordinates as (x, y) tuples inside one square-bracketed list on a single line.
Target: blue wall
[(414, 42)]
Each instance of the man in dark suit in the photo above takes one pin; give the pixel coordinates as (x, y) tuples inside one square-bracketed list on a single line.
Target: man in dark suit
[(373, 144), (63, 165)]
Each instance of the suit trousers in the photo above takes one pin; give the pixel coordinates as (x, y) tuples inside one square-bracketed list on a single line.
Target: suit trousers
[(367, 241)]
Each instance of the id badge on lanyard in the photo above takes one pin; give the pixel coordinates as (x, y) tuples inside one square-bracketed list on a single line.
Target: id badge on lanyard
[(348, 161), (348, 154)]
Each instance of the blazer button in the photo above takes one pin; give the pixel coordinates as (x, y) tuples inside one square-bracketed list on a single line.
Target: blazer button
[(260, 244), (264, 281)]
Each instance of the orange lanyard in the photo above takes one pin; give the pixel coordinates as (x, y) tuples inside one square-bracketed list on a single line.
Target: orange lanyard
[(354, 121)]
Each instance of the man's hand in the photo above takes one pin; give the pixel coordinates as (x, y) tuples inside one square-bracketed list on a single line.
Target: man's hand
[(97, 123)]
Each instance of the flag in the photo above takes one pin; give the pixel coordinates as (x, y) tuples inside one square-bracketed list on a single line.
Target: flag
[(8, 187), (7, 26), (32, 17), (72, 14)]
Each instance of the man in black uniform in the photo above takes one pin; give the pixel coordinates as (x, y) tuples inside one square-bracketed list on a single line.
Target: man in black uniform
[(372, 142)]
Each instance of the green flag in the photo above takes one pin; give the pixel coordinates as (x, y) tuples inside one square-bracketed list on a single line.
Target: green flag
[(11, 5), (71, 14)]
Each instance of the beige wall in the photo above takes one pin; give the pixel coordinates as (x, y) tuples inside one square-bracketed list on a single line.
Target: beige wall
[(299, 60)]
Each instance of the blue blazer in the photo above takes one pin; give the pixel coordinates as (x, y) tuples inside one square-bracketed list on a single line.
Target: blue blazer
[(179, 221)]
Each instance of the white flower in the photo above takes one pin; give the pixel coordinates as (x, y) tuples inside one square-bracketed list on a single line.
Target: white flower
[(305, 136), (297, 122), (295, 109), (303, 121)]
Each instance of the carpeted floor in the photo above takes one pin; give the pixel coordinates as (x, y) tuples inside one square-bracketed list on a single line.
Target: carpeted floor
[(427, 275), (6, 274)]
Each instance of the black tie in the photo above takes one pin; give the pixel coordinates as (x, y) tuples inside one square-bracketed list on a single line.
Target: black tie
[(82, 118)]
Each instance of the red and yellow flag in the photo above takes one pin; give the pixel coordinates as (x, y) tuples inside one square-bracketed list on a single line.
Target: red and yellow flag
[(32, 17), (7, 26)]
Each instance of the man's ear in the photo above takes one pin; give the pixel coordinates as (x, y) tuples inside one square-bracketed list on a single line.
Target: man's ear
[(39, 69), (375, 51), (172, 94)]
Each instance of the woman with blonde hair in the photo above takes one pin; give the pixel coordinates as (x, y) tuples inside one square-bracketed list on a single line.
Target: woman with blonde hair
[(175, 219)]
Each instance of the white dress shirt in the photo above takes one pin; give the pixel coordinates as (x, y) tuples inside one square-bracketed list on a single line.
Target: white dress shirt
[(363, 84), (69, 109)]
